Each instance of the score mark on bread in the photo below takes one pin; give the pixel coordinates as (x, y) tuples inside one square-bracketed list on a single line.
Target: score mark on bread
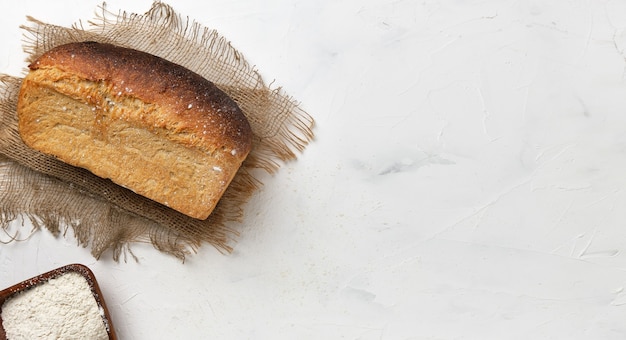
[(147, 124)]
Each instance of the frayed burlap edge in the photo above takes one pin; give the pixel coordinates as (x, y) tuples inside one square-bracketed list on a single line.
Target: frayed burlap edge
[(104, 216)]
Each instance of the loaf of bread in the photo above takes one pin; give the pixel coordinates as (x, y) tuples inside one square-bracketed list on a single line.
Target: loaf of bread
[(147, 124)]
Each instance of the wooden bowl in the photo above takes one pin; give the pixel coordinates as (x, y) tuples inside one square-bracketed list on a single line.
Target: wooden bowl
[(32, 282)]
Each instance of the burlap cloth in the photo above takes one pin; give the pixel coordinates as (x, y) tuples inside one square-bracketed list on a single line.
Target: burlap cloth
[(107, 217)]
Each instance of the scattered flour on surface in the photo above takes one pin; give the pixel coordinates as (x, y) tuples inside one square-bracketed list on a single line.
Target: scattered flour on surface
[(61, 308)]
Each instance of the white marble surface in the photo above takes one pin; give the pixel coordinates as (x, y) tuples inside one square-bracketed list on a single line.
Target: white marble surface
[(467, 181)]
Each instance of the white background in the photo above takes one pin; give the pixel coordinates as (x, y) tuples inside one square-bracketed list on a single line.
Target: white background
[(467, 180)]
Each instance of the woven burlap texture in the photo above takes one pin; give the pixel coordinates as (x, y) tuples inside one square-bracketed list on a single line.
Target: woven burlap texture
[(107, 217)]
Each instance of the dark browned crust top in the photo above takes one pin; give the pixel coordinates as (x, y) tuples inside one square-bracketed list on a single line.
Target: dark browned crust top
[(195, 103)]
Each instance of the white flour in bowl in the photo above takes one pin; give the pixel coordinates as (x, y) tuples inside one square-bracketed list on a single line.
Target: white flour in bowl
[(61, 308)]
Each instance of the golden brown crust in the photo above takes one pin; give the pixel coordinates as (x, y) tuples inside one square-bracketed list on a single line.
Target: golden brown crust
[(146, 123), (193, 104)]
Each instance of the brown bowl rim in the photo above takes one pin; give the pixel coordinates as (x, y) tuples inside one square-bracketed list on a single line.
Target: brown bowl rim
[(9, 292)]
